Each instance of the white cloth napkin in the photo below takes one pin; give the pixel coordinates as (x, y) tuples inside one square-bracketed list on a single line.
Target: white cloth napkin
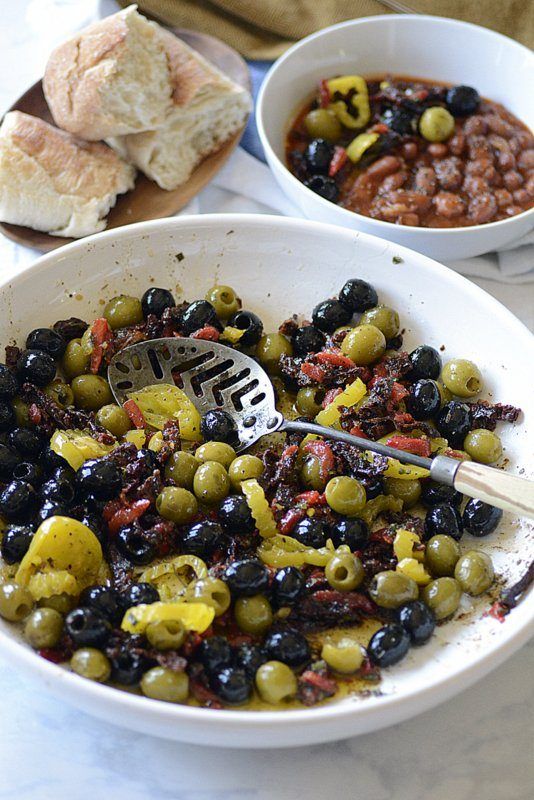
[(245, 184)]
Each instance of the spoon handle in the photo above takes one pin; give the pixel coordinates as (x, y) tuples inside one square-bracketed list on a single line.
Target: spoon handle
[(498, 488)]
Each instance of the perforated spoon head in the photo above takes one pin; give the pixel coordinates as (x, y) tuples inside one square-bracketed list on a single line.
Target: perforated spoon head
[(211, 375)]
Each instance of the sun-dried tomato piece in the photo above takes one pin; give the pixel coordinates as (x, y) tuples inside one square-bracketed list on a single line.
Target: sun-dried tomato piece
[(127, 514), (336, 359), (313, 371), (323, 452), (135, 414), (208, 332), (101, 336), (419, 447)]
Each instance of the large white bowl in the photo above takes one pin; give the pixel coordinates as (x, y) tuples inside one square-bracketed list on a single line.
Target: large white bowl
[(418, 46), (281, 266)]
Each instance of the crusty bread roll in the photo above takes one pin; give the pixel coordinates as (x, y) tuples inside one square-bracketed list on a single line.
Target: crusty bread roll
[(207, 109), (110, 79), (52, 182)]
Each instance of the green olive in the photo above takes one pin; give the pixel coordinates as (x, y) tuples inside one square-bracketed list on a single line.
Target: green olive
[(22, 412), (311, 474), (75, 361), (212, 591), (253, 614), (345, 495), (322, 123), (165, 634), (177, 504), (15, 601), (445, 394), (275, 682), (344, 572), (216, 451), (161, 683), (474, 572), (436, 124), (211, 482), (43, 628), (91, 392), (441, 554), (309, 400), (391, 589), (407, 491), (243, 468), (122, 311), (87, 342), (181, 468), (483, 446), (364, 344), (384, 318), (345, 656), (60, 392), (269, 350), (442, 596), (224, 300), (62, 603), (114, 419), (462, 377), (91, 663)]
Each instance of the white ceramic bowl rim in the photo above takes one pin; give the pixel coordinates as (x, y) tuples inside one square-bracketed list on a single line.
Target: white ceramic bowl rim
[(509, 640), (403, 19)]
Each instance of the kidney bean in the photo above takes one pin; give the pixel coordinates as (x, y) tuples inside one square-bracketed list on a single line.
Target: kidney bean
[(474, 184), (449, 172), (425, 180), (457, 143), (521, 196), (386, 165), (529, 186), (478, 166), (393, 182), (512, 180), (478, 148), (482, 208), (526, 160), (409, 151), (499, 125), (409, 219), (503, 197), (438, 150), (475, 125), (449, 205)]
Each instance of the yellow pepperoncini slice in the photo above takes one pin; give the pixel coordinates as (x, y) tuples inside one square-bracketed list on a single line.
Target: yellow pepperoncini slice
[(359, 100), (373, 508), (76, 447), (47, 584), (351, 395), (137, 436), (360, 145), (162, 402), (172, 577), (284, 551), (193, 616), (404, 545), (415, 570), (259, 508), (61, 544), (231, 334)]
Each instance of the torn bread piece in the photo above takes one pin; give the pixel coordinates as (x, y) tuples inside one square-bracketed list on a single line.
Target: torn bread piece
[(53, 182), (207, 109), (111, 78)]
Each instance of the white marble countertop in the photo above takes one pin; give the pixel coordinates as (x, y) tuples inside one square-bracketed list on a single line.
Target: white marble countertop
[(478, 746)]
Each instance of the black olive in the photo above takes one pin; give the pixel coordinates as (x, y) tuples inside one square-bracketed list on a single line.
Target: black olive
[(426, 362), (51, 508), (373, 487), (311, 532), (31, 473), (59, 488), (424, 399), (214, 654), (127, 667), (388, 645), (418, 621), (50, 461), (47, 341), (462, 100), (18, 501), (246, 577), (434, 493), (318, 156), (307, 339), (443, 519), (358, 295), (197, 315), (99, 478), (329, 315), (218, 426), (8, 461), (287, 586), (202, 538), (95, 524), (399, 120), (15, 543), (135, 546), (7, 415), (35, 367), (325, 187), (288, 646), (104, 600), (250, 323), (352, 532), (155, 301), (235, 516), (232, 685), (454, 422), (87, 628), (27, 442), (138, 594), (249, 657), (8, 383), (480, 519)]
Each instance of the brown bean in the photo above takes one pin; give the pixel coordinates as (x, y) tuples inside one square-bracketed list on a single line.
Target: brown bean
[(409, 219), (512, 179), (457, 143), (499, 125), (409, 150), (475, 125), (449, 205), (478, 148), (474, 184), (482, 208), (384, 166), (521, 196), (449, 172), (438, 150), (526, 160), (503, 197), (478, 166), (425, 181), (529, 186), (393, 182)]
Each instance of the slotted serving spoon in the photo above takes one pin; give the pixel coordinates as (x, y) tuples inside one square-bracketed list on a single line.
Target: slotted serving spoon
[(215, 376)]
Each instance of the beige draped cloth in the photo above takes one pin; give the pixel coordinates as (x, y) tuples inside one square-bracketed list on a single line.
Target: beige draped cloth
[(263, 29)]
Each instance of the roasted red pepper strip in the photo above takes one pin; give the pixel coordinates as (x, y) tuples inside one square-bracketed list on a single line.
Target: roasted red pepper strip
[(357, 431), (101, 335), (339, 159), (135, 414), (311, 498), (323, 452), (336, 359), (330, 396), (398, 393), (208, 332), (290, 519), (313, 371), (324, 94), (126, 515), (419, 447)]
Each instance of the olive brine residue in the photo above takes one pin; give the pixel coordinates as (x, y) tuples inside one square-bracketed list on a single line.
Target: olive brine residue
[(141, 549), (413, 152)]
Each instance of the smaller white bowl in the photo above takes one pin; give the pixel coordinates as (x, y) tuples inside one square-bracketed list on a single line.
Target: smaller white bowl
[(434, 48)]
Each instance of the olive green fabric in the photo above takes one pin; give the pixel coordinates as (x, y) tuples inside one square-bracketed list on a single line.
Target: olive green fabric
[(263, 29)]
